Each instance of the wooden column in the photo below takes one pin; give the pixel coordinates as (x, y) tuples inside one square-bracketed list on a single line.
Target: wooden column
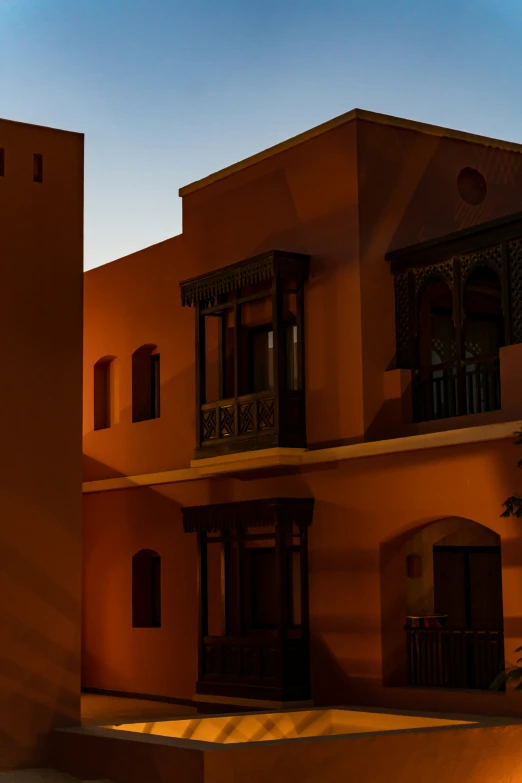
[(201, 383), (458, 320), (224, 585), (278, 351), (202, 587), (222, 354), (303, 566), (281, 544), (237, 360), (300, 317), (239, 584), (506, 298)]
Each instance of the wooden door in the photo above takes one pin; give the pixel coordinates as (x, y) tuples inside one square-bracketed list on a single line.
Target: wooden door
[(449, 583), (468, 586), (485, 585)]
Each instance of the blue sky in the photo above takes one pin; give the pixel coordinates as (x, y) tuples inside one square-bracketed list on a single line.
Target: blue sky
[(168, 91)]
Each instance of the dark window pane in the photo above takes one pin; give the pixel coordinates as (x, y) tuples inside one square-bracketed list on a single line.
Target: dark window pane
[(261, 360), (292, 376), (102, 394), (146, 589), (264, 588), (37, 168), (155, 386)]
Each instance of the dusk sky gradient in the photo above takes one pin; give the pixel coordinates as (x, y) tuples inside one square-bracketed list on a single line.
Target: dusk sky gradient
[(168, 91)]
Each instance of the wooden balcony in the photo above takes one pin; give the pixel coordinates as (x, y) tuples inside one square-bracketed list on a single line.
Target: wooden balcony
[(456, 389), (454, 657), (249, 340), (254, 631), (255, 667), (253, 421)]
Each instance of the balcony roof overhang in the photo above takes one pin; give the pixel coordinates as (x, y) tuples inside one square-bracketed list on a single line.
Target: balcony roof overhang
[(266, 266), (488, 234), (223, 517)]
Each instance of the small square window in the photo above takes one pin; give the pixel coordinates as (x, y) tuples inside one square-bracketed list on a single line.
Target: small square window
[(37, 167)]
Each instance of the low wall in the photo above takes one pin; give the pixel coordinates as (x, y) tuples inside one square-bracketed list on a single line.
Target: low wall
[(483, 753)]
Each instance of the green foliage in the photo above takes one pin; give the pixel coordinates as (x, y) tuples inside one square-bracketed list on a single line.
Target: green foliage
[(513, 505), (514, 674)]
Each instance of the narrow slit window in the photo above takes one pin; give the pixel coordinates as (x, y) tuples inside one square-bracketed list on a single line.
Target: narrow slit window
[(102, 394), (2, 161), (37, 167), (155, 386), (146, 386)]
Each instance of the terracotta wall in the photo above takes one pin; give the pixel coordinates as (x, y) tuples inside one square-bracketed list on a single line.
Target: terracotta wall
[(408, 194), (41, 246), (133, 302), (346, 207), (304, 200), (366, 512), (346, 197)]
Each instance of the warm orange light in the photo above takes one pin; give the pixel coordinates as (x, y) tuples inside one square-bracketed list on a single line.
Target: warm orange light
[(283, 725)]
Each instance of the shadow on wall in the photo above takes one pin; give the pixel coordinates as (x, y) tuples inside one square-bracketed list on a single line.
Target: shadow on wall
[(344, 602), (93, 469), (159, 660), (30, 712), (46, 670)]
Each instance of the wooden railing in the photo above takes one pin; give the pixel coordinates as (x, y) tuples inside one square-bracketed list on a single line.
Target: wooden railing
[(279, 420), (250, 414), (252, 664), (456, 389), (454, 657)]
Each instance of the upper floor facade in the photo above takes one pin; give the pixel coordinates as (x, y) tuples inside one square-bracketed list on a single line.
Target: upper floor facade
[(356, 283)]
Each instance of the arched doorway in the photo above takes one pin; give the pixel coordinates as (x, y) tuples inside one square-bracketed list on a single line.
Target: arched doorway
[(454, 596)]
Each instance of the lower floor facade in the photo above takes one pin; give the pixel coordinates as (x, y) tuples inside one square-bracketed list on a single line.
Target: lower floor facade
[(390, 581)]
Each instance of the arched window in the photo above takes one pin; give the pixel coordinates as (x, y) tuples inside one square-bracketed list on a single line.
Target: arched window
[(482, 338), (437, 343), (146, 589), (483, 318), (104, 393), (457, 370), (145, 383), (436, 353)]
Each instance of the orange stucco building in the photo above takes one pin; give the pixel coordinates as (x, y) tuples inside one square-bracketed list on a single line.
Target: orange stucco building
[(297, 440), (332, 430), (41, 246)]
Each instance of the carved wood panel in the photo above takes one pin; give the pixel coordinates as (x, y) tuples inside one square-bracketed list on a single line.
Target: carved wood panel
[(490, 256), (515, 284), (444, 270), (402, 319)]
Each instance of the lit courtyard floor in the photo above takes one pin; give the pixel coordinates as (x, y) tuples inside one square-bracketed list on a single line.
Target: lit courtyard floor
[(270, 727)]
